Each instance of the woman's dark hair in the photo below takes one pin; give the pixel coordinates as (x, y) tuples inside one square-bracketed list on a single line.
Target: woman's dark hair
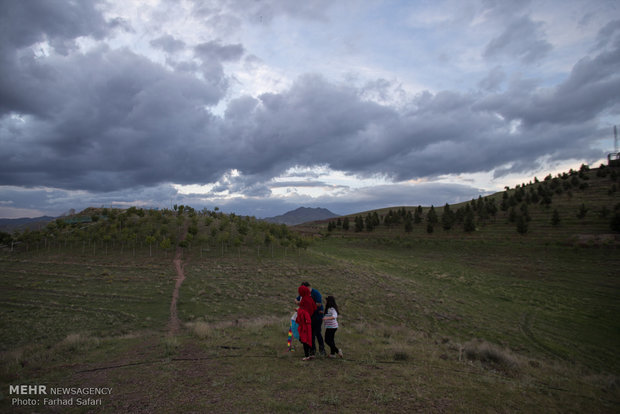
[(330, 302)]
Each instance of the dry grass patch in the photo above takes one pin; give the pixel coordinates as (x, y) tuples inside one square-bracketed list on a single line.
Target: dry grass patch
[(171, 345), (200, 329), (77, 342), (492, 356)]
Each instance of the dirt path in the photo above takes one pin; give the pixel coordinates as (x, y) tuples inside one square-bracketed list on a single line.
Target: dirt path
[(175, 324)]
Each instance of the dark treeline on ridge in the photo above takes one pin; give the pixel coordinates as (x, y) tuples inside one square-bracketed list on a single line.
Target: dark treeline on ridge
[(570, 197)]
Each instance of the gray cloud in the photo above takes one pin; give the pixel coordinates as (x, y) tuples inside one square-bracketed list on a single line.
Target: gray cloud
[(522, 38), (493, 81), (124, 122), (168, 43), (225, 14), (114, 124), (25, 23), (130, 122), (608, 35), (282, 184), (590, 89), (57, 201), (214, 51)]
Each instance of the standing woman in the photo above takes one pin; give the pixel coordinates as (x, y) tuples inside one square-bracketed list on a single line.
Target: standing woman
[(304, 312), (331, 326)]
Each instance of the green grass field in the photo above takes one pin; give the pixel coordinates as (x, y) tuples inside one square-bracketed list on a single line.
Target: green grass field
[(488, 321)]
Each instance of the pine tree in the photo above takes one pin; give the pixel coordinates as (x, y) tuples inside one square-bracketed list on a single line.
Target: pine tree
[(431, 216), (468, 223), (583, 210), (512, 216), (521, 224), (417, 217), (525, 212), (370, 222), (359, 223), (447, 218), (408, 224)]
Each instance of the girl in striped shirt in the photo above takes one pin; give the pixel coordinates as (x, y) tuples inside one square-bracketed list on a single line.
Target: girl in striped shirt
[(331, 326)]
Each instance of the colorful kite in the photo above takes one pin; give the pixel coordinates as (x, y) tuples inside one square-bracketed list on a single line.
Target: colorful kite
[(290, 340)]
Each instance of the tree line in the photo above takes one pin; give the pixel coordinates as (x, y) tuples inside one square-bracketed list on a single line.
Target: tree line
[(102, 229), (515, 204)]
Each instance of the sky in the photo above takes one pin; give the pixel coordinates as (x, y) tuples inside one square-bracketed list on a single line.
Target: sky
[(258, 107)]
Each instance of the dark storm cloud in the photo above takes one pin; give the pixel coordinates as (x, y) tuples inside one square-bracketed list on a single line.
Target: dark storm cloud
[(318, 123), (23, 23), (128, 122), (123, 122), (590, 88), (212, 54), (111, 121)]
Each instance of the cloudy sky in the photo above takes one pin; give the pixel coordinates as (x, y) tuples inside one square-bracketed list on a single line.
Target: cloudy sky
[(262, 106)]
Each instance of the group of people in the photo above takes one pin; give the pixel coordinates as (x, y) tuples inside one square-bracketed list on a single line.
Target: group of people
[(310, 316)]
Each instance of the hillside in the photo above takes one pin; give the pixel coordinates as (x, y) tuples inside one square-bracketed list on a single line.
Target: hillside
[(574, 207), (302, 215), (188, 311)]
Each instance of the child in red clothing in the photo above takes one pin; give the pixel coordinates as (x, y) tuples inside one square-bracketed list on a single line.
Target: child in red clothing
[(306, 308)]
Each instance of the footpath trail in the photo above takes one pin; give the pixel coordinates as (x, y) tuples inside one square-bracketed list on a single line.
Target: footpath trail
[(175, 324)]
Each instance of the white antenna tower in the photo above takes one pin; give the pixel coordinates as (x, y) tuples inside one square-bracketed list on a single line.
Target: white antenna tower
[(615, 139)]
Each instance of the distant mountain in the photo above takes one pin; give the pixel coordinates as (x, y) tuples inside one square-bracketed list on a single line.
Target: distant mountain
[(10, 225), (302, 215)]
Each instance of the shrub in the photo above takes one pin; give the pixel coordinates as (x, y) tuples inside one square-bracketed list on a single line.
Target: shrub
[(170, 343), (583, 210), (201, 329), (491, 355), (401, 356), (77, 342)]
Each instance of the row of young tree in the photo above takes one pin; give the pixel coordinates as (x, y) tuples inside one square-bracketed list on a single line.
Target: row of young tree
[(480, 210), (514, 203), (158, 230)]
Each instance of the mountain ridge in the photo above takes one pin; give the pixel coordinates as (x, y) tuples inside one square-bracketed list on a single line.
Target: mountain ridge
[(302, 215), (22, 223)]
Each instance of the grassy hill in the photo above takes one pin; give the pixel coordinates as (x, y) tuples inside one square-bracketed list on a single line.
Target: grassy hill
[(488, 320), (586, 204)]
